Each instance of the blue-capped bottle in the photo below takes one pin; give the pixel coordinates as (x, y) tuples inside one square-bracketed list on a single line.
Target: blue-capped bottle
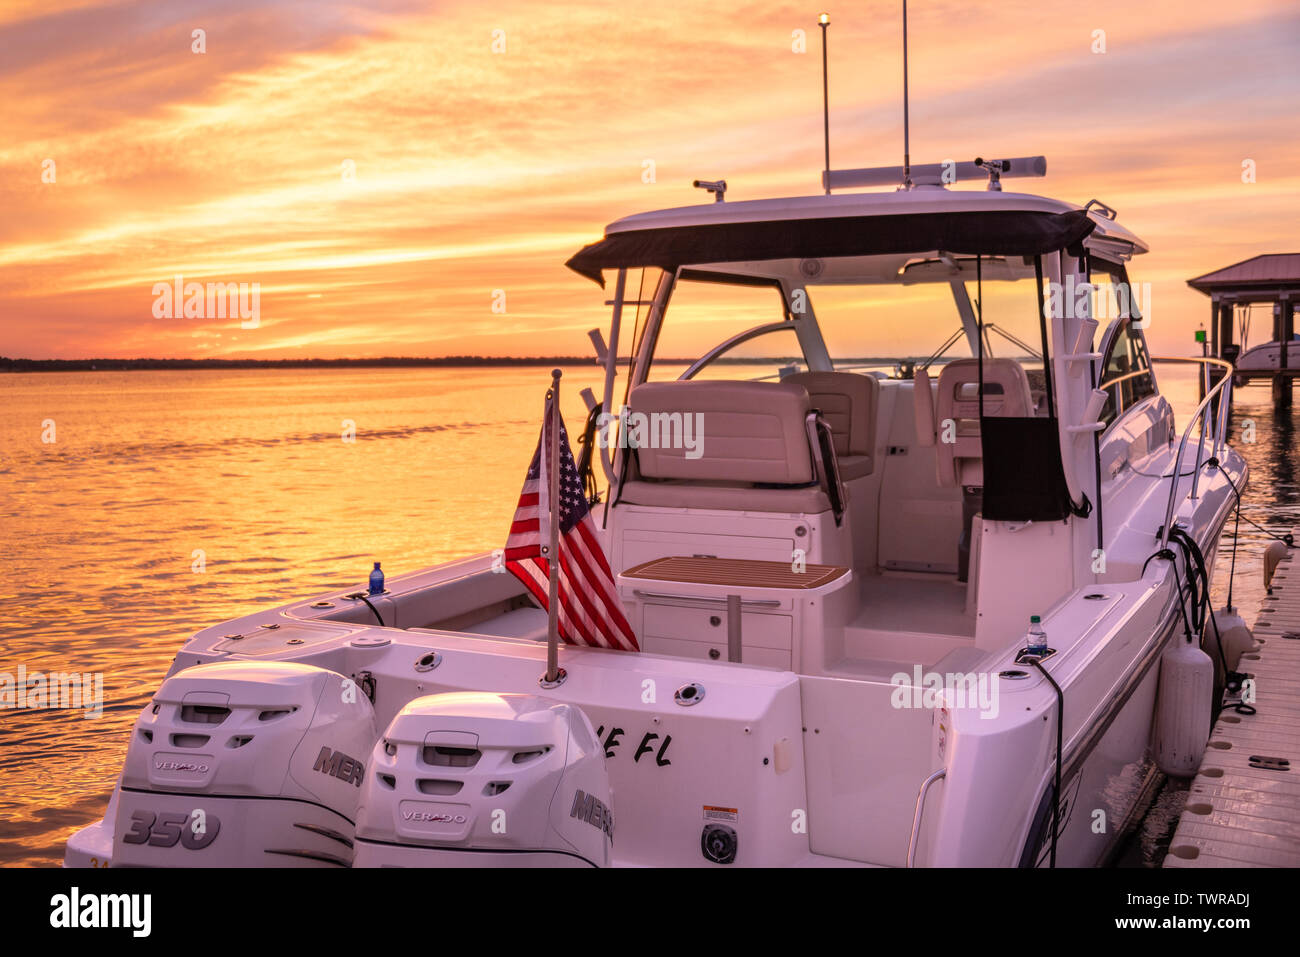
[(1035, 640), (376, 581)]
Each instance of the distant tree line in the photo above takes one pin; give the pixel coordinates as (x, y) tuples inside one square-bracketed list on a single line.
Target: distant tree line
[(132, 365)]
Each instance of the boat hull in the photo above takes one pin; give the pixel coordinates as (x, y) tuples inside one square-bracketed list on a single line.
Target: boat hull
[(807, 770)]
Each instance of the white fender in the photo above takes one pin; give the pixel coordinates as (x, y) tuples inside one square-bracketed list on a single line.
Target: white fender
[(1273, 556), (1236, 637), (1183, 705)]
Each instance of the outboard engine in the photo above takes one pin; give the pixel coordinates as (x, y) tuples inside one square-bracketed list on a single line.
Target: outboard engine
[(486, 780), (245, 764)]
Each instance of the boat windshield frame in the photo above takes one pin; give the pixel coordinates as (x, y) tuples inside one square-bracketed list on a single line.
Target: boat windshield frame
[(1069, 337)]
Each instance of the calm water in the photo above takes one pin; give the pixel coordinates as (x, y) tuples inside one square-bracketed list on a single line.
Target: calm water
[(99, 528)]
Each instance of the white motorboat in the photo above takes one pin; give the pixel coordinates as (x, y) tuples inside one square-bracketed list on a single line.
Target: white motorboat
[(1267, 357), (831, 585)]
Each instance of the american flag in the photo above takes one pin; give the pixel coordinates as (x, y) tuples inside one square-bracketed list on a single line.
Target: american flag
[(591, 612)]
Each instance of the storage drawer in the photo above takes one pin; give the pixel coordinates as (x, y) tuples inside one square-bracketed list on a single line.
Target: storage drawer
[(709, 624), (716, 651)]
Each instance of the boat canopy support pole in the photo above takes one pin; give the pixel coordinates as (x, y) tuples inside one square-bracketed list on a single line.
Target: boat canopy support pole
[(638, 368), (807, 330), (611, 370), (967, 312)]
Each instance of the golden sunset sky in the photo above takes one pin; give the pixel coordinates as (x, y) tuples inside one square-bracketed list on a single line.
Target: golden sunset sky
[(478, 170)]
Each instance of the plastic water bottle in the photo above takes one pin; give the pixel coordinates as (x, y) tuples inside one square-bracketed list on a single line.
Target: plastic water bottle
[(1035, 640), (377, 582)]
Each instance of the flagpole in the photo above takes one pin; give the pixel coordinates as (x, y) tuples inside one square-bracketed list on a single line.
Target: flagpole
[(552, 676)]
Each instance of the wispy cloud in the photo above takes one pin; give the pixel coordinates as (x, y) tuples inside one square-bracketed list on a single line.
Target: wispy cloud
[(477, 171)]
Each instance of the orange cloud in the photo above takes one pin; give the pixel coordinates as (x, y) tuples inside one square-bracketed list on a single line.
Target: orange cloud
[(381, 171)]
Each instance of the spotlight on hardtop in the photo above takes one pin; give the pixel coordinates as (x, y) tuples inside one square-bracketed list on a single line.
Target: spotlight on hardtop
[(718, 187)]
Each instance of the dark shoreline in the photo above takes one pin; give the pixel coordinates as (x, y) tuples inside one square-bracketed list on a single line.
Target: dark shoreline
[(139, 365)]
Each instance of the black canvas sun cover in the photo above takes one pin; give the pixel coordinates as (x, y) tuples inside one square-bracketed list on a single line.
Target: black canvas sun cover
[(1024, 480), (981, 232)]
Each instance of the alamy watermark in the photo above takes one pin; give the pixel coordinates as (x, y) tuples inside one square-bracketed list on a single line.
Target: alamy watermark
[(1073, 300), (215, 300), (653, 430), (958, 690), (57, 689), (74, 909)]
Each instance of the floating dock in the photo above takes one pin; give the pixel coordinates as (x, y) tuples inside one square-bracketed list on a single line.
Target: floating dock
[(1243, 809)]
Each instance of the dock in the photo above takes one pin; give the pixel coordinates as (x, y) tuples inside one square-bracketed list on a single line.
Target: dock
[(1270, 279), (1243, 808)]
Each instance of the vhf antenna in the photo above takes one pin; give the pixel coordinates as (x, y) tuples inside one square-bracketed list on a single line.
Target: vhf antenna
[(824, 21), (907, 153)]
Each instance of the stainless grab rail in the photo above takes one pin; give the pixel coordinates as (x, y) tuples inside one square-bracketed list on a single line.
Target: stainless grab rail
[(1217, 431), (916, 818), (753, 602)]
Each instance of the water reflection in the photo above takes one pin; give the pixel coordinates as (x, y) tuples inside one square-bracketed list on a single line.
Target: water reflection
[(171, 501), (175, 500), (1271, 498)]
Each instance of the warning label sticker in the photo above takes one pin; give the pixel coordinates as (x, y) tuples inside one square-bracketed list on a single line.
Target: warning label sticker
[(728, 815)]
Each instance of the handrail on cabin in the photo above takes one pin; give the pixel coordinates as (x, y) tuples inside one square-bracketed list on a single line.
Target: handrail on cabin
[(1217, 429), (915, 837)]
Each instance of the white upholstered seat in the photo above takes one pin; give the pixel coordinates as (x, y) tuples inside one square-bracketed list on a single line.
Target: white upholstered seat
[(848, 403), (1006, 393), (754, 451)]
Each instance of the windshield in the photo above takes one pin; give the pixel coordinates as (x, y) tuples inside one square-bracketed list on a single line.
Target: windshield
[(882, 325), (894, 326), (732, 326), (723, 330)]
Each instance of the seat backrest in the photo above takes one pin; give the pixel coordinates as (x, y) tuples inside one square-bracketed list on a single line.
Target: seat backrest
[(848, 404), (1006, 393), (742, 431)]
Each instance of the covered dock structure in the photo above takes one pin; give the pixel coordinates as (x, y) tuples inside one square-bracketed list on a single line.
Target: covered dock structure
[(1268, 278)]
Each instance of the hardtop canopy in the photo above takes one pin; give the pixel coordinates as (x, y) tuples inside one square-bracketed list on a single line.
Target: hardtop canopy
[(922, 220)]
